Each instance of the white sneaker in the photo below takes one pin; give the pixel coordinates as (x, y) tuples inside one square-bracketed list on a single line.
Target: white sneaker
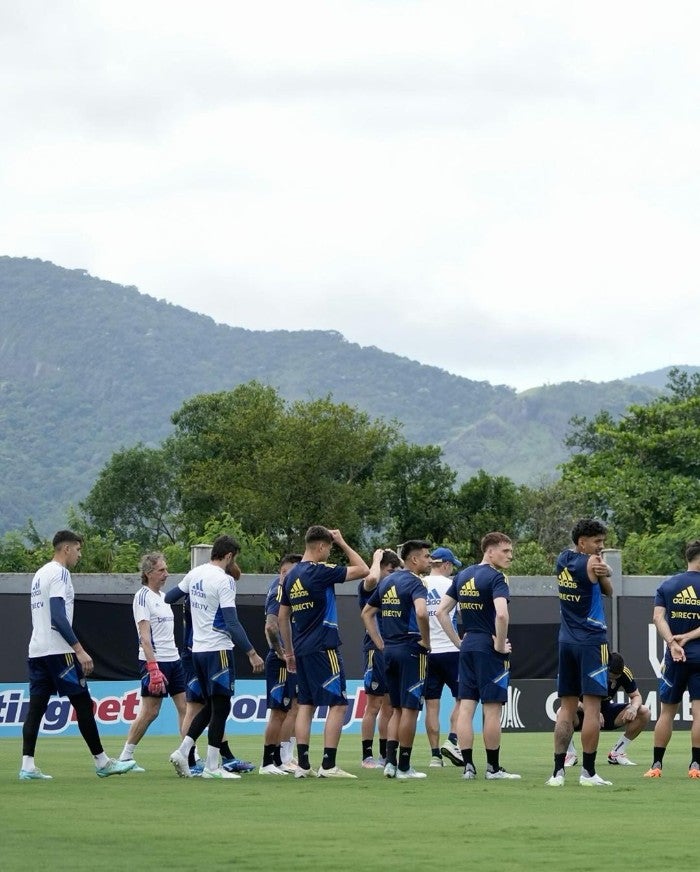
[(469, 773), (436, 762), (300, 772), (452, 752), (181, 765), (556, 780), (501, 773), (289, 768), (593, 781), (334, 772), (219, 774), (389, 770), (570, 760), (271, 769), (409, 773), (620, 759)]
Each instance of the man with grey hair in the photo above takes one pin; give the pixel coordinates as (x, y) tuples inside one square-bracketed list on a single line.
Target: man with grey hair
[(159, 660)]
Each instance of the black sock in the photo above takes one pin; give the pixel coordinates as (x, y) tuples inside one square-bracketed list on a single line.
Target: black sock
[(452, 737), (492, 759), (404, 758), (303, 754), (329, 758), (191, 759), (268, 755), (226, 752), (382, 748), (695, 752), (367, 748), (559, 763), (436, 752), (391, 748), (658, 755), (277, 755), (467, 756), (589, 762)]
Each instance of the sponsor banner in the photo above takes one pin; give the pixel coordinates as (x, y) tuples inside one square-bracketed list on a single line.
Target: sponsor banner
[(532, 706), (116, 705)]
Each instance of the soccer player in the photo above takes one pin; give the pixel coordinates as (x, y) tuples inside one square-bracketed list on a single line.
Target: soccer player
[(215, 630), (193, 694), (308, 621), (58, 663), (632, 715), (677, 621), (481, 593), (378, 707), (443, 661), (405, 641), (584, 577), (281, 684), (159, 660)]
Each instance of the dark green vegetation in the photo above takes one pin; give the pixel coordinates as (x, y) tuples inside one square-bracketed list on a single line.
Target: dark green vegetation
[(156, 820), (88, 367)]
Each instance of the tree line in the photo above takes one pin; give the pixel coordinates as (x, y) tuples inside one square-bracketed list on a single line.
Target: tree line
[(248, 463)]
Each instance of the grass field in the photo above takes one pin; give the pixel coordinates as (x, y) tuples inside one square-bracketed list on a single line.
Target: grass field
[(159, 821)]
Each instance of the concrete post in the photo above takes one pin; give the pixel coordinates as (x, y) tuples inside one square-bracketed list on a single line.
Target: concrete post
[(199, 554)]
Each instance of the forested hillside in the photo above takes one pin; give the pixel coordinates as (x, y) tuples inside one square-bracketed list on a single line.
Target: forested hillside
[(88, 366)]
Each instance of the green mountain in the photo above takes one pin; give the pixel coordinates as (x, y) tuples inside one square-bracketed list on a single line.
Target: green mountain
[(88, 367)]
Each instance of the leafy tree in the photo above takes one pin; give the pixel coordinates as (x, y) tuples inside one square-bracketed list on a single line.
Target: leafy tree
[(278, 468), (550, 511), (134, 497), (418, 493), (486, 503), (663, 552), (639, 472), (530, 558)]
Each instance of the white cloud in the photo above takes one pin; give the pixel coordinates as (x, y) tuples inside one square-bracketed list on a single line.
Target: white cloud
[(506, 191)]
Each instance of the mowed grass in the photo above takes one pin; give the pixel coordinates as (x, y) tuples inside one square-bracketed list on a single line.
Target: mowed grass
[(159, 821)]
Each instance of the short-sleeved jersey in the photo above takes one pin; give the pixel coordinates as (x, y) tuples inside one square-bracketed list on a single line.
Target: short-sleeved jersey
[(272, 604), (625, 681), (580, 601), (52, 580), (437, 586), (395, 597), (309, 591), (210, 590), (680, 596), (475, 588), (362, 600), (151, 606)]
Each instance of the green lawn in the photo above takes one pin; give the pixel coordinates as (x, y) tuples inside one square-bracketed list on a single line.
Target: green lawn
[(159, 821)]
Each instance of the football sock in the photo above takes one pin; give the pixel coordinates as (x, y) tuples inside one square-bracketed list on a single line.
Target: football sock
[(435, 752), (405, 758), (329, 758), (658, 755), (589, 762), (101, 760), (128, 752), (559, 763), (452, 737), (303, 751), (367, 748), (467, 756), (277, 755), (382, 748), (695, 755), (492, 759), (392, 746), (620, 745), (268, 755)]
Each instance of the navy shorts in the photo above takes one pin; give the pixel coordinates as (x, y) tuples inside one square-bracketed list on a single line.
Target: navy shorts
[(484, 676), (375, 679), (174, 673), (56, 673), (321, 678), (583, 670), (609, 711), (443, 669), (281, 685), (214, 675), (676, 678), (405, 667)]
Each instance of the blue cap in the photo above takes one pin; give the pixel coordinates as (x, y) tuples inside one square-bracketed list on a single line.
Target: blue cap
[(444, 554)]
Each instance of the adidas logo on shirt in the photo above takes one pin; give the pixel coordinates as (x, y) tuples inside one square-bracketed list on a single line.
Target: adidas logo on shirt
[(687, 597), (297, 590), (469, 588)]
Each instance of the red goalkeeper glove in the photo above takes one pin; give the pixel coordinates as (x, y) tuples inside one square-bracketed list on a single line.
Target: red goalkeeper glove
[(156, 679)]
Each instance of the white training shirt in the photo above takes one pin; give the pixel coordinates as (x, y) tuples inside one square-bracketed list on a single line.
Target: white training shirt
[(52, 580), (151, 606), (439, 640), (210, 589)]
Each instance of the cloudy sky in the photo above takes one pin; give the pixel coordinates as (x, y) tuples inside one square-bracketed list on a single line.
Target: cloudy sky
[(507, 190)]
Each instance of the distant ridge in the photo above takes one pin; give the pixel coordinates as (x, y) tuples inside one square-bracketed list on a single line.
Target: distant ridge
[(88, 366)]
